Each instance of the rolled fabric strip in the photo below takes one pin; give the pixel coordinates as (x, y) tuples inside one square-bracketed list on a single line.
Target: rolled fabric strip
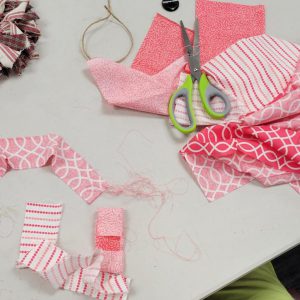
[(110, 239)]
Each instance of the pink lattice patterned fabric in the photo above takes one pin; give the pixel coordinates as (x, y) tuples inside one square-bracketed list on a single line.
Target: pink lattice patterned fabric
[(253, 72), (126, 87), (110, 239), (80, 274), (265, 147), (220, 26), (39, 151)]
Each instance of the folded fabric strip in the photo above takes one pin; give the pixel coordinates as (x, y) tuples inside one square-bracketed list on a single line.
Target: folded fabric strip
[(220, 24), (253, 73), (110, 239), (80, 274), (39, 151), (126, 87)]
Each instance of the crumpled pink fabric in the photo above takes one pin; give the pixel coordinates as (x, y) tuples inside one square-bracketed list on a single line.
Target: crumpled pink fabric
[(125, 87), (253, 72), (38, 151), (264, 147), (110, 239), (77, 273), (220, 25)]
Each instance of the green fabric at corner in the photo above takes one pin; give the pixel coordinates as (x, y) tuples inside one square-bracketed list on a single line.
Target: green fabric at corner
[(260, 284)]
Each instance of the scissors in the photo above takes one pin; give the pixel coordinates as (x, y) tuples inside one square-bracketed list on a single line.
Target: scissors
[(207, 91)]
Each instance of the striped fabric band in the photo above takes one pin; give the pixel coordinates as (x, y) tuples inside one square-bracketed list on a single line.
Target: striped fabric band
[(80, 274)]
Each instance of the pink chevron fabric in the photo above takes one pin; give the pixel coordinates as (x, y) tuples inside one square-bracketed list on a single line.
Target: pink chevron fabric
[(80, 274), (125, 87), (265, 147), (253, 72), (220, 26), (38, 151), (110, 239)]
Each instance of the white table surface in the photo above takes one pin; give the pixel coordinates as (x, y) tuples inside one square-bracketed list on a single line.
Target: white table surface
[(56, 94)]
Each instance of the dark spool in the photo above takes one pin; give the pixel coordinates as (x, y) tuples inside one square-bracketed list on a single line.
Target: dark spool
[(170, 5)]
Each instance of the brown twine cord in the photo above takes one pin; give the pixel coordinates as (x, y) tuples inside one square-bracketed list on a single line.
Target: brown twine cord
[(106, 18)]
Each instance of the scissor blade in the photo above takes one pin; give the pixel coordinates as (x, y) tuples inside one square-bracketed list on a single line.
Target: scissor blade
[(186, 40), (192, 53)]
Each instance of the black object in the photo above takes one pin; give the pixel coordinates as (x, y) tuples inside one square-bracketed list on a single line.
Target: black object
[(170, 5), (287, 267)]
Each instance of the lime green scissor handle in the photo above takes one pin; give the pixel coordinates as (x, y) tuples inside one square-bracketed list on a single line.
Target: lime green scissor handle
[(207, 93), (184, 91)]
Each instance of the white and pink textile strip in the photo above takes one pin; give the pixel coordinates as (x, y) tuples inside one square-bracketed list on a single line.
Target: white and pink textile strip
[(253, 72), (264, 147), (80, 274), (51, 150)]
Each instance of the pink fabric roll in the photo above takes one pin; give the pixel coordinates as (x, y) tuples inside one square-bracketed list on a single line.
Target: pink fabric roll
[(110, 239)]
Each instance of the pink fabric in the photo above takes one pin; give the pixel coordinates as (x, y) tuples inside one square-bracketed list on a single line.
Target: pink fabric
[(161, 47), (80, 274), (126, 87), (110, 239), (221, 25), (225, 157), (252, 72), (38, 151)]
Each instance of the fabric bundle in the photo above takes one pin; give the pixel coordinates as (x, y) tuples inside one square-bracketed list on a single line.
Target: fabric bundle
[(18, 35), (51, 150), (154, 75), (265, 147), (77, 273)]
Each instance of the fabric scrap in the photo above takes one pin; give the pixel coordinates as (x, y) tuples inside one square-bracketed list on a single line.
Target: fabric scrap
[(110, 239), (42, 222), (161, 47), (240, 154), (222, 24), (253, 73), (125, 87), (38, 151), (77, 273)]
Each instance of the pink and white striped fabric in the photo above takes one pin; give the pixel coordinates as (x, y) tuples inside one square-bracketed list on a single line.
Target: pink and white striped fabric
[(42, 222), (110, 239), (253, 72), (264, 147), (39, 151), (80, 274)]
